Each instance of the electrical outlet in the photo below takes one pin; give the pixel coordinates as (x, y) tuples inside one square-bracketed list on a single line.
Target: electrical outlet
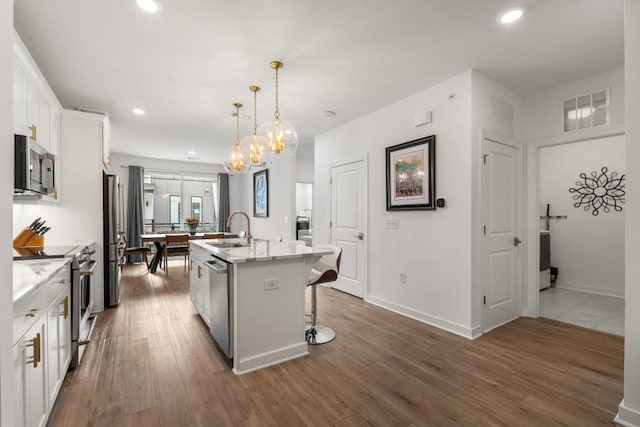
[(392, 223), (403, 277), (286, 220), (271, 284)]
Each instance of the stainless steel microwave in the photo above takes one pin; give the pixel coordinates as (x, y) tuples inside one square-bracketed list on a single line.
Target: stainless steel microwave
[(34, 168)]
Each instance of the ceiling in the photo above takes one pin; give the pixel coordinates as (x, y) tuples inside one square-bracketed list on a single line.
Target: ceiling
[(187, 64)]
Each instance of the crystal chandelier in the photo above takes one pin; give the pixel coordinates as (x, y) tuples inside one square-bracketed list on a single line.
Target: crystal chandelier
[(257, 144)]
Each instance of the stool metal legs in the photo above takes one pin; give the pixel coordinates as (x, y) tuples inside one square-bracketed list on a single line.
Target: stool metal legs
[(315, 334)]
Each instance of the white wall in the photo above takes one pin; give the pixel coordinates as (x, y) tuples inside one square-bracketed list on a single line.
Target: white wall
[(629, 410), (432, 247), (543, 110), (304, 163), (282, 193), (587, 249), (6, 194)]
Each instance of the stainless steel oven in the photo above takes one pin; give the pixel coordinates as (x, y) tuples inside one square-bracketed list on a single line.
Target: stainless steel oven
[(82, 270)]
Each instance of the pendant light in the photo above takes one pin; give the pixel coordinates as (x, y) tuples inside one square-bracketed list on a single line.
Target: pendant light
[(281, 136), (236, 159), (256, 144)]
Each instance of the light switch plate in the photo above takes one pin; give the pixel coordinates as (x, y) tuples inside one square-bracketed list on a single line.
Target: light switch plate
[(271, 284), (392, 223)]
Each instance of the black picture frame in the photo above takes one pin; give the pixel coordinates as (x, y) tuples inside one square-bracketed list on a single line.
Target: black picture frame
[(411, 175), (261, 194)]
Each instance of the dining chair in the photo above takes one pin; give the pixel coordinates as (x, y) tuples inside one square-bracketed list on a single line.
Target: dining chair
[(208, 236), (175, 244), (135, 250)]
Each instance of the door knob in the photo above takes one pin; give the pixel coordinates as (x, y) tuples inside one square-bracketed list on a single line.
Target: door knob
[(516, 241), (360, 236)]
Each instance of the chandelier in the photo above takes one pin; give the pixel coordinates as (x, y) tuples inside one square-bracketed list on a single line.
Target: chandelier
[(280, 135), (257, 144), (236, 159)]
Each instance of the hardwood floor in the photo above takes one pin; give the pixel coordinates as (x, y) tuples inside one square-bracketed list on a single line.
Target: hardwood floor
[(151, 362)]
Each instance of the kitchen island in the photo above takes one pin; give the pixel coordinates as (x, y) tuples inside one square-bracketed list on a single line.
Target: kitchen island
[(252, 296)]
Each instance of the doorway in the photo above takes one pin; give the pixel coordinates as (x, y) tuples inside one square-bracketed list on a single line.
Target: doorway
[(501, 251), (581, 204), (348, 224)]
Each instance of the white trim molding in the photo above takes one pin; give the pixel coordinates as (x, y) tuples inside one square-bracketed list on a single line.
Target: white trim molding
[(454, 328), (627, 417)]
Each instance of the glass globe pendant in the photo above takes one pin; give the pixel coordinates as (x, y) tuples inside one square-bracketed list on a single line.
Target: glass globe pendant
[(281, 136), (236, 158), (255, 143)]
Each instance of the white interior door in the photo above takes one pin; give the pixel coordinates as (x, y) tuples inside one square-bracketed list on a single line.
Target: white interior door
[(348, 225), (501, 249)]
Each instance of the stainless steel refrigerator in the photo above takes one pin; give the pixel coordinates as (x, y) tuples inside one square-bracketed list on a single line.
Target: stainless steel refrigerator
[(111, 233)]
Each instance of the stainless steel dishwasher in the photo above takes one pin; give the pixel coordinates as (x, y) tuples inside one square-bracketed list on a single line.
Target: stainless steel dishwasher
[(221, 295)]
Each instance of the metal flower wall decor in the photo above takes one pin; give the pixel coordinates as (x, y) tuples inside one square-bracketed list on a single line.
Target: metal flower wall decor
[(599, 192)]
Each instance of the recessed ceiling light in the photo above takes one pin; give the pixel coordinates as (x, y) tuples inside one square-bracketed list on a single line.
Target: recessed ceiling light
[(510, 16), (148, 5), (192, 153), (138, 111)]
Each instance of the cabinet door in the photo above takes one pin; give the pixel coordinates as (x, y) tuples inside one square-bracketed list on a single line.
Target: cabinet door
[(54, 133), (44, 125), (58, 341), (64, 332), (35, 378), (20, 125), (33, 111), (193, 281), (19, 368)]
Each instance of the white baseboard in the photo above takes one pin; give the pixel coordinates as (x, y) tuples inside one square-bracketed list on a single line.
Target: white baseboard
[(590, 289), (259, 361), (627, 417), (454, 328)]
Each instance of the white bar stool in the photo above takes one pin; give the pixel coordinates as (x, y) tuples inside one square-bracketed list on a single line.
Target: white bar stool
[(325, 270)]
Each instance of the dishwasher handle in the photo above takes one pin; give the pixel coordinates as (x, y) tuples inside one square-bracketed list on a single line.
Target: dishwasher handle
[(218, 268)]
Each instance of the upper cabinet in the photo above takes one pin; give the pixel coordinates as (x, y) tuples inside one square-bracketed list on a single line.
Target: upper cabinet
[(36, 109)]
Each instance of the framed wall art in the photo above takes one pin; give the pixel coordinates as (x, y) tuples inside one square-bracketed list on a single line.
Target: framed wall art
[(411, 175), (261, 194)]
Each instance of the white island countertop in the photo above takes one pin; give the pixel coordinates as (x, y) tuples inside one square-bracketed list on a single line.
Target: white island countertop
[(30, 275), (237, 251)]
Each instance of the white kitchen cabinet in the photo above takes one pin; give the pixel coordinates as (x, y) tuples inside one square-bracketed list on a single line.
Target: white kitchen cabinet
[(199, 287), (58, 354), (30, 379), (20, 125), (33, 100), (42, 343)]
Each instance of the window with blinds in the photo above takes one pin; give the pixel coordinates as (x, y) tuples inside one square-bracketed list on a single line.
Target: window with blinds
[(584, 111)]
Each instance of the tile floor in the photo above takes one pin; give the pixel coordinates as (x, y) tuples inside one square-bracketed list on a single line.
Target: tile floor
[(600, 312)]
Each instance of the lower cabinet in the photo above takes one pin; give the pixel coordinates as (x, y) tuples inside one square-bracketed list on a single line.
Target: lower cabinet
[(199, 287), (30, 379), (58, 344), (42, 354)]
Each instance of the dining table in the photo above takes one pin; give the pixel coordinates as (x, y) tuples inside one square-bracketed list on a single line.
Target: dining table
[(158, 239)]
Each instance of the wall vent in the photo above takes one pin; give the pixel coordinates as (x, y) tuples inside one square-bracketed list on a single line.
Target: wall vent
[(587, 110)]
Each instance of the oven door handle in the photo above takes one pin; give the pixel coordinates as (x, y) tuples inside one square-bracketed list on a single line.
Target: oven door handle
[(88, 267)]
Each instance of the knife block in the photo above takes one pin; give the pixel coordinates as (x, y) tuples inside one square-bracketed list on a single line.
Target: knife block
[(26, 238), (36, 242)]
